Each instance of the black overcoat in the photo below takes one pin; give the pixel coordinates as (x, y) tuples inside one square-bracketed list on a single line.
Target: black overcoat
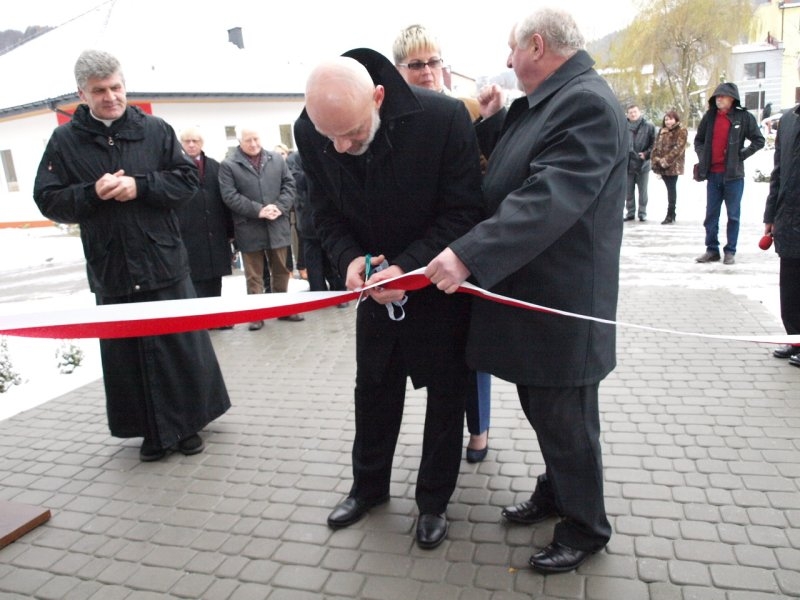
[(207, 227), (415, 190), (783, 202), (164, 388), (129, 246), (555, 186)]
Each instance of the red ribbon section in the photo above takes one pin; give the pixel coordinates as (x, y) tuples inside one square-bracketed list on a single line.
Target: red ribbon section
[(175, 316)]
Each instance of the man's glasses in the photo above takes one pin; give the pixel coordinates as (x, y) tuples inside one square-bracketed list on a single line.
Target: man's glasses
[(418, 65)]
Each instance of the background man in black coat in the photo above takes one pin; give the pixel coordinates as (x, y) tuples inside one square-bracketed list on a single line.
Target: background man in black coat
[(206, 223), (121, 174), (554, 187), (394, 173)]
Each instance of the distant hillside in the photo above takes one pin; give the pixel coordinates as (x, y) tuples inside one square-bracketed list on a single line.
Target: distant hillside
[(601, 49), (11, 38)]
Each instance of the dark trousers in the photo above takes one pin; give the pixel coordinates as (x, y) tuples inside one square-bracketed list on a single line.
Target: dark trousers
[(636, 181), (321, 274), (789, 283), (567, 424), (208, 288), (671, 183), (379, 406)]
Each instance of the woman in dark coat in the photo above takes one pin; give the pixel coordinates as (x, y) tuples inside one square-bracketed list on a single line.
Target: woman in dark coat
[(668, 158)]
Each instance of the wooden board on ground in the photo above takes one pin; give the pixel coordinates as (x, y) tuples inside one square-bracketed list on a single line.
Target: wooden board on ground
[(18, 519)]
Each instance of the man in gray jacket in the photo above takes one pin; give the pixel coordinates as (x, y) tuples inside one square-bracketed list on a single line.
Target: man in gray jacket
[(259, 189)]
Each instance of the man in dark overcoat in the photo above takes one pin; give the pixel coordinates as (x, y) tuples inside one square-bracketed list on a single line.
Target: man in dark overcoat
[(554, 187), (394, 174), (120, 174), (206, 223)]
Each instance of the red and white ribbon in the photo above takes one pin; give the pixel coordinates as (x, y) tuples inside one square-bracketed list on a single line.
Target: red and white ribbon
[(175, 316)]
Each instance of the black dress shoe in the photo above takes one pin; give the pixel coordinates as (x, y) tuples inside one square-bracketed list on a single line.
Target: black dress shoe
[(528, 512), (292, 318), (794, 360), (351, 510), (149, 452), (628, 219), (786, 351), (431, 530), (558, 558), (255, 325), (191, 445)]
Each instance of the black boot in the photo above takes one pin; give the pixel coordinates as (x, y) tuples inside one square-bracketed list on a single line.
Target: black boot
[(668, 220)]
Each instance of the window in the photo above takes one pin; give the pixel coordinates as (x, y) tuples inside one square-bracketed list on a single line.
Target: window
[(9, 171), (755, 70), (754, 100)]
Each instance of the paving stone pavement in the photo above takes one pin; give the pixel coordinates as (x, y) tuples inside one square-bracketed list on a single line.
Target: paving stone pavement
[(701, 456)]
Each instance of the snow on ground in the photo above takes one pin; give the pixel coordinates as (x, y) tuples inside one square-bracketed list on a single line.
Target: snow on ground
[(40, 250)]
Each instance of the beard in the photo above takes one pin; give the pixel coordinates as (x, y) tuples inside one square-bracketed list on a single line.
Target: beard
[(373, 130)]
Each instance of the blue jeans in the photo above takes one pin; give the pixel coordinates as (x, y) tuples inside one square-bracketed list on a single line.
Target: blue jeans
[(718, 191), (479, 400)]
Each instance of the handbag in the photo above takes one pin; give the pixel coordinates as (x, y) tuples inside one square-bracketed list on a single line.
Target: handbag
[(696, 173)]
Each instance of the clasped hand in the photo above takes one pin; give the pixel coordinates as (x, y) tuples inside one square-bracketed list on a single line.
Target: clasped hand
[(116, 186), (269, 212)]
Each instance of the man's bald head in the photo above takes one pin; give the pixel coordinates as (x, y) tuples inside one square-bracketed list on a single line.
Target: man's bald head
[(343, 102)]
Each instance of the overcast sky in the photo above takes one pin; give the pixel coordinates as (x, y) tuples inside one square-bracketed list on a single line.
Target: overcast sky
[(474, 35)]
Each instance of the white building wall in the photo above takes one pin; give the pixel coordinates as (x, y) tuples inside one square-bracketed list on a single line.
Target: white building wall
[(26, 136), (770, 84)]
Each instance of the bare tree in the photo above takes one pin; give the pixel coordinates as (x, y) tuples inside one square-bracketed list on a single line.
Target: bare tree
[(676, 47)]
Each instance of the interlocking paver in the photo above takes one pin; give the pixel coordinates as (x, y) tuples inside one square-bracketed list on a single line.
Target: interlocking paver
[(701, 466)]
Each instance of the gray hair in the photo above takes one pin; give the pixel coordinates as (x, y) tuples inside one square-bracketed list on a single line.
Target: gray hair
[(96, 64), (557, 28)]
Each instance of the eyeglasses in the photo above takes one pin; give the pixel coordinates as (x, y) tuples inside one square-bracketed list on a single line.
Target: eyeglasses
[(418, 65)]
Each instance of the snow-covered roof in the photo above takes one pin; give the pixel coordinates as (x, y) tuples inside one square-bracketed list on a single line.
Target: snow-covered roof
[(174, 47), (754, 47)]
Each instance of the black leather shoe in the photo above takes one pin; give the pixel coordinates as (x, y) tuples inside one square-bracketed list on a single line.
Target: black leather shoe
[(794, 360), (628, 218), (294, 318), (528, 513), (255, 325), (431, 530), (786, 351), (191, 445), (149, 452), (351, 510), (557, 558)]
